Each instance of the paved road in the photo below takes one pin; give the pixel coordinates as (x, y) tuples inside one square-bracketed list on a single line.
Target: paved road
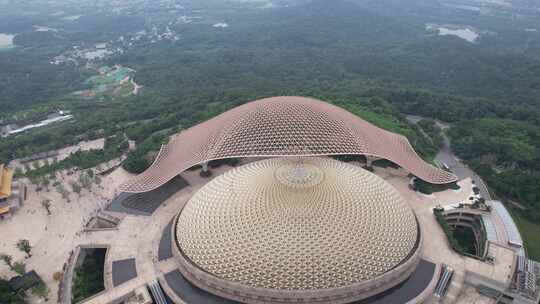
[(447, 157)]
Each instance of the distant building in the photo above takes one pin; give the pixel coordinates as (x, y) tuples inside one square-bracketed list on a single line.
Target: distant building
[(12, 194), (48, 121)]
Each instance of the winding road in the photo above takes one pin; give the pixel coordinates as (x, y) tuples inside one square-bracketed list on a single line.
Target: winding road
[(446, 156)]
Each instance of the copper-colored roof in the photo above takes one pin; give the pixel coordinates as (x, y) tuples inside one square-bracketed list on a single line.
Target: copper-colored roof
[(282, 126)]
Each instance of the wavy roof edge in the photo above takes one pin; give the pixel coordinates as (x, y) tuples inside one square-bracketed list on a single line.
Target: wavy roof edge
[(281, 127)]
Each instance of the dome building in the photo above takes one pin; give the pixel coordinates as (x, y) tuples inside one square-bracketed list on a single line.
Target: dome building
[(296, 226), (309, 230), (295, 210)]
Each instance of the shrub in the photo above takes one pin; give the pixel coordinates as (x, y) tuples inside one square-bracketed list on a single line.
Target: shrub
[(58, 276), (41, 291), (19, 268), (428, 188), (447, 231)]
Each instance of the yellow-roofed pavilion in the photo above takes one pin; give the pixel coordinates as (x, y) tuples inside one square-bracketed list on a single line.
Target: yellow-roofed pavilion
[(6, 177)]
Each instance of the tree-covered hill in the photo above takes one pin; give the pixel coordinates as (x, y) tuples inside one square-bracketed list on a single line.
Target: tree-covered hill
[(375, 58), (507, 154)]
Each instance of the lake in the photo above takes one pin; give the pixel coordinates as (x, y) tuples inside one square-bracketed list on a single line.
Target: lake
[(221, 25), (72, 18), (463, 33), (6, 41), (39, 28)]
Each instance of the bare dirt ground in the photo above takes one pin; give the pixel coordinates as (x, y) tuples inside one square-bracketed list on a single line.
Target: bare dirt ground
[(54, 236)]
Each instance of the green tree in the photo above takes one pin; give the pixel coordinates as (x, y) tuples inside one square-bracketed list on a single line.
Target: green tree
[(46, 203), (45, 182), (24, 246), (18, 172), (19, 268), (135, 163), (76, 188), (34, 180), (8, 259), (97, 180), (88, 277), (41, 291), (58, 276), (7, 295), (62, 190), (85, 181)]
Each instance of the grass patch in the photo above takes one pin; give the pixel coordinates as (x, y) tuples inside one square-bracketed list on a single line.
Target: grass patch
[(448, 231)]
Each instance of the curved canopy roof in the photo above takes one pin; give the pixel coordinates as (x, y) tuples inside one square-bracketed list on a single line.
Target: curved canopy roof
[(282, 126), (307, 224)]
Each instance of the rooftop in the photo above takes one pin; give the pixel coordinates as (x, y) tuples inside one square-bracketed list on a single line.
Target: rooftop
[(278, 127), (514, 237), (6, 176), (297, 224)]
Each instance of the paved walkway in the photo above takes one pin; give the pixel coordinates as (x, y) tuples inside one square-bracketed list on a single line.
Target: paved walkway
[(435, 245), (138, 238)]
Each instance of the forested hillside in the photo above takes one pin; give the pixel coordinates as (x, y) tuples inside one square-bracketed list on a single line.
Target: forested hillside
[(507, 154), (374, 58)]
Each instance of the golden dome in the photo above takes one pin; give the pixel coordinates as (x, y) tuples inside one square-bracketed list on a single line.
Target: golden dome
[(297, 224)]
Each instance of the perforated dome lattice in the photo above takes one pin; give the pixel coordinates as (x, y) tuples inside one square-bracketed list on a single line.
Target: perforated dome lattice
[(282, 126), (247, 226)]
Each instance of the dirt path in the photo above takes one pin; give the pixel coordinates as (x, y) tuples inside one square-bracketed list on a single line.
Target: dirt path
[(447, 156)]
